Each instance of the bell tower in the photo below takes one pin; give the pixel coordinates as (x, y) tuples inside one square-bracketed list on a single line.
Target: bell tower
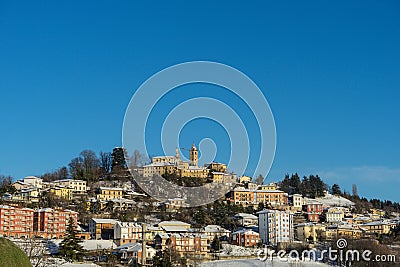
[(194, 156)]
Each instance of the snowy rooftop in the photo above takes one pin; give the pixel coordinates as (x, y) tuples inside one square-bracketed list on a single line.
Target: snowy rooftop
[(98, 244), (100, 220), (167, 228), (246, 216), (173, 223)]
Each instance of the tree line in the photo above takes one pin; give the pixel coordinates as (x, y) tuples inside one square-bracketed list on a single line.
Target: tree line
[(313, 186), (91, 167)]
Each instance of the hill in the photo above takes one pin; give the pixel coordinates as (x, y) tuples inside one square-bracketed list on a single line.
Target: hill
[(11, 255)]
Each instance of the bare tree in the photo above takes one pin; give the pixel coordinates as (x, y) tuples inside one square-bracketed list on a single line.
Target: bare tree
[(105, 161), (137, 159), (76, 168), (34, 248), (91, 164)]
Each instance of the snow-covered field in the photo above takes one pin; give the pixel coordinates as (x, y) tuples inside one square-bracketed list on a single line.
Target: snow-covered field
[(258, 263)]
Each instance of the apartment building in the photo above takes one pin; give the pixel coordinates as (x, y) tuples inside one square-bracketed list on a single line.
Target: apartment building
[(270, 186), (52, 223), (275, 226), (16, 222), (102, 228), (245, 219), (30, 194), (184, 243), (297, 201), (310, 231), (127, 232), (222, 177), (245, 238), (248, 197), (212, 231), (33, 181), (107, 193), (62, 192), (334, 215), (313, 209), (216, 166), (77, 186), (379, 227)]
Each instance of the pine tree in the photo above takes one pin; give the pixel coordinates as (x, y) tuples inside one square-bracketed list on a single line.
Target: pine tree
[(216, 244), (70, 247), (336, 189)]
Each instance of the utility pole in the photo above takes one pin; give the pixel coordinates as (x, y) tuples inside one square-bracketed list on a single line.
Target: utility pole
[(144, 244)]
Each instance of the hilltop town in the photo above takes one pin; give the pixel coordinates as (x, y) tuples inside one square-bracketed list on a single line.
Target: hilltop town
[(96, 203)]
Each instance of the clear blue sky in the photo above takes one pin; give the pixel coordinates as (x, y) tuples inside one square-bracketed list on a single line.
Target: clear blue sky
[(330, 71)]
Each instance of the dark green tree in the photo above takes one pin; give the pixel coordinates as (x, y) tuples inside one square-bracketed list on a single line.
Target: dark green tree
[(336, 189), (119, 159), (285, 184), (216, 244), (261, 206), (70, 247)]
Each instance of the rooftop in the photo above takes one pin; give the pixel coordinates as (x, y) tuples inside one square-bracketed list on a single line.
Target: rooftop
[(101, 220)]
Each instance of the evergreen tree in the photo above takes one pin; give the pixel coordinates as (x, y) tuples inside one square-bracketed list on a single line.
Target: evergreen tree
[(336, 190), (119, 156), (285, 184), (261, 206), (70, 247), (216, 244)]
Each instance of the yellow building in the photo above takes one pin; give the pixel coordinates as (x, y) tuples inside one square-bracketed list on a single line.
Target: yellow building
[(311, 232), (193, 171), (162, 165), (270, 186), (78, 186), (345, 230), (107, 193), (62, 192), (217, 167), (244, 179), (247, 197), (379, 227)]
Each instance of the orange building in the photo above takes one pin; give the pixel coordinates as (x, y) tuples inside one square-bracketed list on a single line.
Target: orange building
[(52, 223), (16, 222)]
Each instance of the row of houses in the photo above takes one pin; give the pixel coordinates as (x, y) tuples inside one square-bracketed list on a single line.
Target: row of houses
[(30, 189)]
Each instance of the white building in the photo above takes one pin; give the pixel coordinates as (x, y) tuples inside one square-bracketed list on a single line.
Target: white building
[(34, 181), (215, 230), (245, 219), (275, 226), (297, 201), (334, 215), (127, 232)]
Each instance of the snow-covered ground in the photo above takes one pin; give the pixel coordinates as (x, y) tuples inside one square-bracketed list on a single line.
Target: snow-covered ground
[(331, 200), (258, 263), (237, 251)]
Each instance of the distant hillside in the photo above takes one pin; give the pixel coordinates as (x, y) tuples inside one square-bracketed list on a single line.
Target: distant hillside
[(11, 255)]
